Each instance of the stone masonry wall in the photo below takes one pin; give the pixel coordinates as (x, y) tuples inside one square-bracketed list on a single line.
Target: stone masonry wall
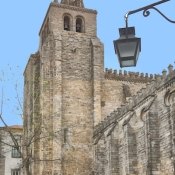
[(145, 130), (113, 94), (133, 121), (50, 106), (72, 68), (117, 88), (77, 94), (32, 106), (2, 158)]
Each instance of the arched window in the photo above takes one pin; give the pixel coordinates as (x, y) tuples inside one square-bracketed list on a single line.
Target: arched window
[(79, 25), (67, 23)]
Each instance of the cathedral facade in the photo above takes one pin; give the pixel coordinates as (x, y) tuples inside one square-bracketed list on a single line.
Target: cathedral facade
[(88, 121)]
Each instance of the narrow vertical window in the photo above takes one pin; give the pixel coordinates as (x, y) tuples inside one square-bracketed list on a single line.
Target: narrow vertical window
[(15, 153), (79, 25), (66, 23), (16, 172), (65, 134)]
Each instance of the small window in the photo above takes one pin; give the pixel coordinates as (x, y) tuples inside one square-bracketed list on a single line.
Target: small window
[(65, 134), (15, 153), (79, 25), (16, 172), (66, 23)]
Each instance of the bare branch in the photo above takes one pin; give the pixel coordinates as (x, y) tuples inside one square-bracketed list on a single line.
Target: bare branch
[(36, 131), (2, 100), (18, 97), (7, 144)]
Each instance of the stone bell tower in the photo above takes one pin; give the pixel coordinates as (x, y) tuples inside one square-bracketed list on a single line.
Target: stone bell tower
[(71, 63)]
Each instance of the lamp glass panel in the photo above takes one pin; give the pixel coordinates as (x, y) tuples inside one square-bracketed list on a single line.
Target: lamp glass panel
[(127, 63), (137, 54), (127, 49)]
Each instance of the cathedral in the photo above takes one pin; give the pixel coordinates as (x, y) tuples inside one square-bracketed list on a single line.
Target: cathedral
[(87, 120)]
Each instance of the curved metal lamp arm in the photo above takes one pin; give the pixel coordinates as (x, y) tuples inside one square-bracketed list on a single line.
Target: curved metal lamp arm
[(146, 13)]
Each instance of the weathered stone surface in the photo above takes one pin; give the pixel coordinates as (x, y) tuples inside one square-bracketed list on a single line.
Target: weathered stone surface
[(130, 115), (146, 137)]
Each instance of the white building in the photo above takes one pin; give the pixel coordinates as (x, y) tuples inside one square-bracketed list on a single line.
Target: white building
[(10, 158)]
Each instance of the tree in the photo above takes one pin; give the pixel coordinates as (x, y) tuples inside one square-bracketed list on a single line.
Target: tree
[(34, 128), (36, 131)]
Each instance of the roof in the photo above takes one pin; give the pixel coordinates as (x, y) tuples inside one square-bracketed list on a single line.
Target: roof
[(12, 128), (15, 126)]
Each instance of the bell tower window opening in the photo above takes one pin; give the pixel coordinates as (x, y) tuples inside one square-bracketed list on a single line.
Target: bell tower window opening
[(79, 25), (67, 23)]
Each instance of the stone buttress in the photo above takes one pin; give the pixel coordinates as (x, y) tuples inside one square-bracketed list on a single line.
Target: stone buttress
[(138, 137)]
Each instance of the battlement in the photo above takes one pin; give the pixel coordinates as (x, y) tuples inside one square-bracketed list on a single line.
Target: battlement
[(158, 83), (128, 76)]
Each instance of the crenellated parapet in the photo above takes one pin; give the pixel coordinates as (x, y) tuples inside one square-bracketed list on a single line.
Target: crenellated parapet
[(154, 85), (128, 76)]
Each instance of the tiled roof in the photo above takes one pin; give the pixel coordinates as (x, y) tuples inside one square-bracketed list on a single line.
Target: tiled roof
[(16, 126)]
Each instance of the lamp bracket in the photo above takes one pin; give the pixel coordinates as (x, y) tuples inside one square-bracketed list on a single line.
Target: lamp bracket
[(146, 13)]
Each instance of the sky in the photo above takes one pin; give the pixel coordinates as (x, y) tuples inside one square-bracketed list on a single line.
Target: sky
[(21, 22)]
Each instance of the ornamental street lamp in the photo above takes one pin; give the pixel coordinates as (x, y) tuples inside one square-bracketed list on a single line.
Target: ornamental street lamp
[(128, 47)]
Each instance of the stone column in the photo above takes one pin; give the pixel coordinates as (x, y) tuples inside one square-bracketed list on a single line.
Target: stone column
[(56, 96), (97, 76), (51, 99), (153, 143), (112, 155), (100, 158), (129, 151)]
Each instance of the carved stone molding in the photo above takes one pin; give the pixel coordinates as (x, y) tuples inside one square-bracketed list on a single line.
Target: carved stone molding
[(128, 119), (146, 108), (167, 96), (98, 138), (73, 8), (112, 129), (172, 91)]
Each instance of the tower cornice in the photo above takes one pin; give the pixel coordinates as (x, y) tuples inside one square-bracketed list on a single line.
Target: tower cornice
[(69, 7)]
